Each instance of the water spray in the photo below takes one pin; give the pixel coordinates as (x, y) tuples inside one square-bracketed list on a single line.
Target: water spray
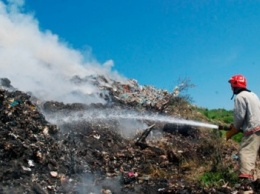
[(97, 115)]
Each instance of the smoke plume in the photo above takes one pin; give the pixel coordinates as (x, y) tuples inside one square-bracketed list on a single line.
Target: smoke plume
[(37, 61)]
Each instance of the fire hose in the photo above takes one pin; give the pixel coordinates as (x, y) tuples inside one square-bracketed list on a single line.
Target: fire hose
[(231, 131)]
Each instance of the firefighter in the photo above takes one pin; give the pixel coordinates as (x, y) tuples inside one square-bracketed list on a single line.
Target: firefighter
[(246, 120)]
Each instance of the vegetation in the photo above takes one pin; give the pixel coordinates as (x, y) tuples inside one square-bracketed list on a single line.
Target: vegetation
[(221, 115), (217, 178), (216, 172), (221, 173)]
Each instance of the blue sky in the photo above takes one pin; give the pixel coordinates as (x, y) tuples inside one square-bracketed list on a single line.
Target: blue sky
[(158, 42)]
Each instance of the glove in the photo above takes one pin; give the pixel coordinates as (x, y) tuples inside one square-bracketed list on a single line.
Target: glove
[(231, 132)]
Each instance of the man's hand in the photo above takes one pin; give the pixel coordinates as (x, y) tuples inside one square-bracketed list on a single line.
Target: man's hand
[(231, 132)]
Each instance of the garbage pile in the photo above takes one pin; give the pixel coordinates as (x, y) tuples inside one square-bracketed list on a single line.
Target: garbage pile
[(130, 92), (29, 149), (145, 96), (85, 157)]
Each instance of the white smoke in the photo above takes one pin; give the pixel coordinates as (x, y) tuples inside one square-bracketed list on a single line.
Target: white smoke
[(37, 61)]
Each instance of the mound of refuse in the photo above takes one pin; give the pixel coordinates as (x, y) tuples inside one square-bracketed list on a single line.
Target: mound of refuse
[(94, 156)]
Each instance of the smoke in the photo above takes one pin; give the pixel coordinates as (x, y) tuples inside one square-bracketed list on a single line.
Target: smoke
[(39, 62), (92, 186)]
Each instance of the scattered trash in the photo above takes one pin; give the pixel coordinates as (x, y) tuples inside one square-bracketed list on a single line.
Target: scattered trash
[(39, 157), (54, 174), (26, 168), (235, 157), (30, 163), (96, 136), (14, 103)]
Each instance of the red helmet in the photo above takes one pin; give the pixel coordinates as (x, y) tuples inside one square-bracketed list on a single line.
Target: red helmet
[(237, 81)]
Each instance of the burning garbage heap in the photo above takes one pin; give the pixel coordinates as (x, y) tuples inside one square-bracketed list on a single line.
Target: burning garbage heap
[(130, 92), (85, 157)]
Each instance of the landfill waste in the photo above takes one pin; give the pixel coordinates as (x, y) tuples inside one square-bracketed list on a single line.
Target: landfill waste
[(76, 157), (130, 92)]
